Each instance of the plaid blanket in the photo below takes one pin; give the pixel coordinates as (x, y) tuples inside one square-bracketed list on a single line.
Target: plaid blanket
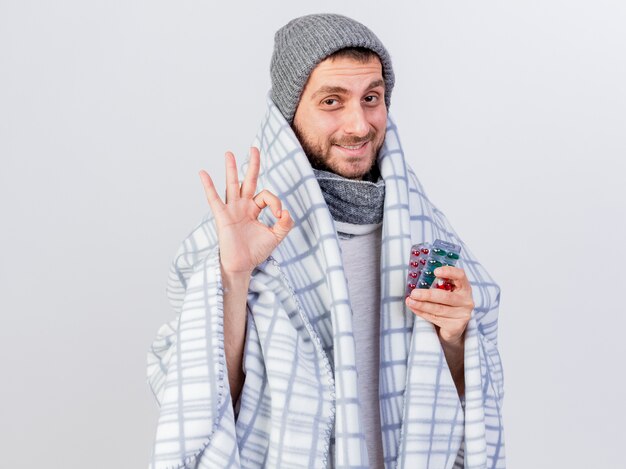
[(299, 405)]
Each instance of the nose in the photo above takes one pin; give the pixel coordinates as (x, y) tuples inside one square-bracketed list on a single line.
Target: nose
[(355, 122)]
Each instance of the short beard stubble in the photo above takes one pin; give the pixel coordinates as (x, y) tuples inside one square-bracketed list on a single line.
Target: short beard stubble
[(318, 160)]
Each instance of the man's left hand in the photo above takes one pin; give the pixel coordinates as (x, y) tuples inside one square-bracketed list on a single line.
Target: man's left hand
[(449, 310)]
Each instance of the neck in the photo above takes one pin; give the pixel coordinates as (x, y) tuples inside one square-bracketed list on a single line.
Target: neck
[(359, 202)]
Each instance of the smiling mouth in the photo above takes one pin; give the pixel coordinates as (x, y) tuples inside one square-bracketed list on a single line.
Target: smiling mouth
[(352, 147)]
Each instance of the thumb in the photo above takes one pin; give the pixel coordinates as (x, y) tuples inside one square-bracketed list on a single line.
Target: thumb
[(283, 225)]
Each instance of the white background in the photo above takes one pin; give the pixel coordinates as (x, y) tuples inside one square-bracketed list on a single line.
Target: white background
[(512, 113)]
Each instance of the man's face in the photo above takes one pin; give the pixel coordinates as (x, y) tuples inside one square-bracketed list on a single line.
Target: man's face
[(341, 118)]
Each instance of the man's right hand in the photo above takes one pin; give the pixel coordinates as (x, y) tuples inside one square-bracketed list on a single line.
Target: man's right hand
[(244, 241)]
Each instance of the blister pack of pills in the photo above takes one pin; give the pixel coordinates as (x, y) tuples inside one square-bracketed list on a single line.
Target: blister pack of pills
[(425, 258)]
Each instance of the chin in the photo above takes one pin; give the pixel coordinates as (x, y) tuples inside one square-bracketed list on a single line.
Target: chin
[(353, 172)]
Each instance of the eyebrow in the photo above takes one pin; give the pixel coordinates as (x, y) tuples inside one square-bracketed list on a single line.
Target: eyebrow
[(341, 90)]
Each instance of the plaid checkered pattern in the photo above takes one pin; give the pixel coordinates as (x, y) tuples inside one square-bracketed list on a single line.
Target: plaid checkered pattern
[(299, 405)]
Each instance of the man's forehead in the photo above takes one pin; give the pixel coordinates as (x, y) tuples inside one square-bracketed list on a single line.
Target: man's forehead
[(336, 72)]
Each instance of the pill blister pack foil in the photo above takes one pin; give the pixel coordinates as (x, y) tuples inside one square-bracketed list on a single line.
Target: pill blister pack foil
[(425, 258)]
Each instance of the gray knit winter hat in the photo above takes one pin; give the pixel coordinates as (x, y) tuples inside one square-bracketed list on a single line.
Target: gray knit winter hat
[(304, 42)]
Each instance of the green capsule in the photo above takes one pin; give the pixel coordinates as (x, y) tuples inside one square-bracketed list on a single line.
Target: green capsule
[(433, 264), (428, 274), (439, 252), (453, 255)]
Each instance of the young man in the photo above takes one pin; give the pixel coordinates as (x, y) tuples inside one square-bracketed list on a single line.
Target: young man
[(294, 345)]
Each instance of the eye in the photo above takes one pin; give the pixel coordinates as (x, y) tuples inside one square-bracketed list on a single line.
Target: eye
[(330, 102), (371, 99)]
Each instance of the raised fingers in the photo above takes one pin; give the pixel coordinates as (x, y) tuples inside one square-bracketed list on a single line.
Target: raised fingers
[(248, 187), (232, 180), (212, 196)]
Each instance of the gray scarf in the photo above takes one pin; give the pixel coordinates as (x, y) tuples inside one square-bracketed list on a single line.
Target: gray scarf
[(353, 201)]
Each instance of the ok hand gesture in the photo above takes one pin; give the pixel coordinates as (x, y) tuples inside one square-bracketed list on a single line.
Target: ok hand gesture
[(244, 241)]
